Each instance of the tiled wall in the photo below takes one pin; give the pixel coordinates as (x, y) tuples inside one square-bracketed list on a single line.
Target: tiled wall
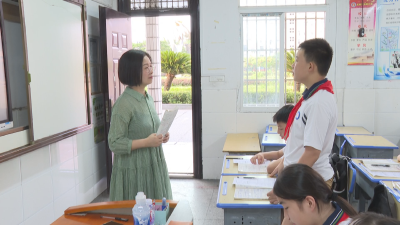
[(361, 101), (37, 187)]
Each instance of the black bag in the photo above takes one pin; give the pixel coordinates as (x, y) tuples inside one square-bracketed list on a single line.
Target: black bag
[(339, 166), (383, 202)]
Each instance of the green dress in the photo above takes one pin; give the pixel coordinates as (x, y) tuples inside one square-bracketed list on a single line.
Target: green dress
[(134, 117)]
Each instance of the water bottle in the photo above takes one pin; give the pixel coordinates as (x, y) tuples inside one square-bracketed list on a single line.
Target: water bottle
[(141, 211)]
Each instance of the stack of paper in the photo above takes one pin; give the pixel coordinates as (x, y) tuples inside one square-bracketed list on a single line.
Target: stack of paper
[(255, 193), (253, 188), (245, 166), (382, 167), (252, 182)]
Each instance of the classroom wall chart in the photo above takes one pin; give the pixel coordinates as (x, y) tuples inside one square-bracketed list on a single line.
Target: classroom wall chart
[(361, 39), (387, 60)]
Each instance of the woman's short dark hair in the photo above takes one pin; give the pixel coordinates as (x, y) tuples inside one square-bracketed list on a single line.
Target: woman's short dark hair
[(130, 67), (320, 52), (297, 181), (283, 114), (371, 218)]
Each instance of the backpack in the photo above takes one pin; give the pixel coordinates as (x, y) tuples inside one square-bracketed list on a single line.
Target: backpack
[(339, 165), (383, 202)]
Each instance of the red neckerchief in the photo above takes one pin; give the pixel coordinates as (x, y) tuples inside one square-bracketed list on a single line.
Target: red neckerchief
[(325, 86)]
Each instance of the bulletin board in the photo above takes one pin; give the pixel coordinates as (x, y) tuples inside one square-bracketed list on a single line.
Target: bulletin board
[(387, 59), (56, 65)]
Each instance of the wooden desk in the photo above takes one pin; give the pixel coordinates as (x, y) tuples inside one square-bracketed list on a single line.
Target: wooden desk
[(366, 146), (248, 143), (229, 168), (395, 195), (271, 129), (245, 211), (121, 209), (272, 142), (341, 131), (365, 184)]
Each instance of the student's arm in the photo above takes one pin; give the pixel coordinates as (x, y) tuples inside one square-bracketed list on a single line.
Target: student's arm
[(310, 156)]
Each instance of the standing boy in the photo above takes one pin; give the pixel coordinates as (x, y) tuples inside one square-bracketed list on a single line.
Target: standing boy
[(312, 123)]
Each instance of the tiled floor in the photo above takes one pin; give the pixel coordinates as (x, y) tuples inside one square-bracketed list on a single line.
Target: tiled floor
[(202, 196)]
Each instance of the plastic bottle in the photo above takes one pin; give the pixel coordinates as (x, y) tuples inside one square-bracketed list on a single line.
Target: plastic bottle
[(149, 202), (141, 211)]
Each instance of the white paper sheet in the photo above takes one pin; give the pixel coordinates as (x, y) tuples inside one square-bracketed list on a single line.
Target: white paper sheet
[(250, 168), (379, 161), (247, 161), (380, 173), (252, 182), (166, 122), (256, 194), (391, 168)]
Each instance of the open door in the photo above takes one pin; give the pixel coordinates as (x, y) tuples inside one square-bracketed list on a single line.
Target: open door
[(115, 40)]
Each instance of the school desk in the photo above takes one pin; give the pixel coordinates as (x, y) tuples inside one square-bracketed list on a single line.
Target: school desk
[(341, 131), (271, 129), (366, 146), (230, 168), (272, 142), (395, 195), (365, 184), (242, 144), (254, 212), (180, 211)]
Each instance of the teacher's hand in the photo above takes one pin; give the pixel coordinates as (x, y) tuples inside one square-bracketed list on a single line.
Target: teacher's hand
[(154, 140), (166, 138)]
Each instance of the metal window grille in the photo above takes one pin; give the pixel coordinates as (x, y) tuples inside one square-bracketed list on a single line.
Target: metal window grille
[(280, 2), (261, 61), (261, 76), (159, 4), (299, 27)]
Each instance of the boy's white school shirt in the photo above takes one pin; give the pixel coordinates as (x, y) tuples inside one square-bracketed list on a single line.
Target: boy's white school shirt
[(314, 125)]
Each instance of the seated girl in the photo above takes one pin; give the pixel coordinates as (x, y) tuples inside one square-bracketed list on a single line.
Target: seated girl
[(307, 199)]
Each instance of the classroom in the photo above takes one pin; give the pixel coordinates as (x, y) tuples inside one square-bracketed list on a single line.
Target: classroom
[(199, 112)]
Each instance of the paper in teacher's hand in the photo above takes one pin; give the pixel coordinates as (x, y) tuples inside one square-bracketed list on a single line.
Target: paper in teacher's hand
[(166, 122)]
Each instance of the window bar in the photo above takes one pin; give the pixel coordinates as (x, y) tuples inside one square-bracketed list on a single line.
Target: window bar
[(276, 55), (284, 38), (247, 52), (266, 59), (295, 52), (256, 64)]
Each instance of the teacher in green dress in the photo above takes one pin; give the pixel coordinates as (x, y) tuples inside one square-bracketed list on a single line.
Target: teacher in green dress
[(139, 163)]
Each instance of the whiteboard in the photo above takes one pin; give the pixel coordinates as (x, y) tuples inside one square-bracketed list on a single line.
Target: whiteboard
[(54, 42)]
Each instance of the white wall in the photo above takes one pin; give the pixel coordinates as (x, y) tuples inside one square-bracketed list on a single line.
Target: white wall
[(361, 101), (37, 187)]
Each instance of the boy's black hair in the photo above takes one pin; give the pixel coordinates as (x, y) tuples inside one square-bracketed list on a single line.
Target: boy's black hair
[(370, 218), (130, 67), (283, 114), (320, 52)]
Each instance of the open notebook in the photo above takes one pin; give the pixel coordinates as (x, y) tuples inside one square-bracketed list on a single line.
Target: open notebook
[(382, 167), (253, 188), (245, 166)]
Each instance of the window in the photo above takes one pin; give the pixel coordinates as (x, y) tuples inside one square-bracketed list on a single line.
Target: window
[(280, 2), (267, 61), (300, 26), (261, 60)]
